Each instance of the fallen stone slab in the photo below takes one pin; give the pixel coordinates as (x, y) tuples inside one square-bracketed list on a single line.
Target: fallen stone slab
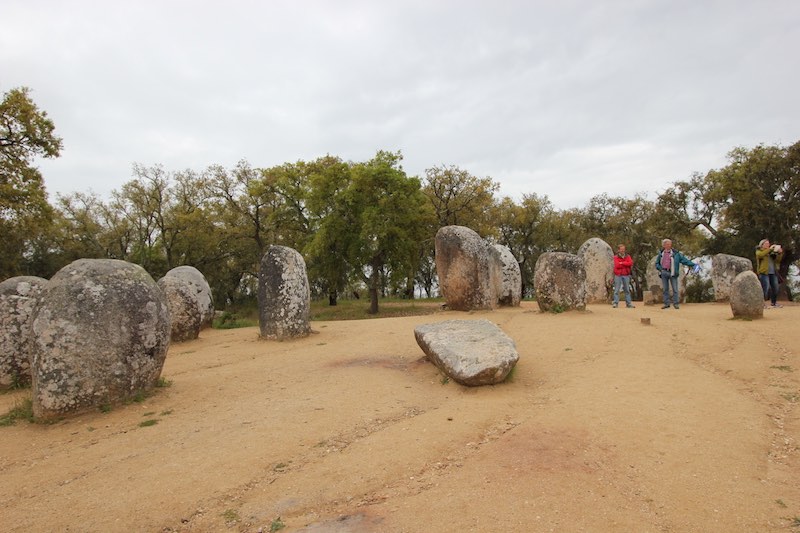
[(470, 352)]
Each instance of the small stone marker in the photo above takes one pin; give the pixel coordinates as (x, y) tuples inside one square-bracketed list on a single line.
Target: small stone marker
[(645, 321)]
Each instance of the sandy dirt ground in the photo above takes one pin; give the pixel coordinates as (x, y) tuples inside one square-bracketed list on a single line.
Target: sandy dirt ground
[(688, 424)]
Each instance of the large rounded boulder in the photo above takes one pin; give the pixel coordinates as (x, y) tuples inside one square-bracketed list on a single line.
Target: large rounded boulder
[(19, 297), (747, 296), (101, 336), (185, 316), (284, 295), (200, 289), (598, 261), (560, 282), (724, 269), (511, 293), (470, 270)]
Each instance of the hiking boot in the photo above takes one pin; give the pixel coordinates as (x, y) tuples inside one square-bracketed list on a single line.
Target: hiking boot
[(664, 307), (613, 305), (676, 306), (630, 306)]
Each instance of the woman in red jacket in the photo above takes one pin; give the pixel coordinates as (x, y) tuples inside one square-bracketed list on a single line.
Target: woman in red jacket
[(623, 263)]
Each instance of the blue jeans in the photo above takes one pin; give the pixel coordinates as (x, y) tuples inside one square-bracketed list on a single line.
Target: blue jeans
[(769, 281), (666, 281), (624, 283)]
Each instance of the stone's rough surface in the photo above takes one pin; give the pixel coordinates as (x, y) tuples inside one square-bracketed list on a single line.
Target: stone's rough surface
[(653, 281), (18, 300), (470, 352), (746, 296), (598, 261), (648, 298), (284, 296), (101, 336), (185, 316), (724, 269), (560, 282), (470, 270), (200, 289), (511, 293)]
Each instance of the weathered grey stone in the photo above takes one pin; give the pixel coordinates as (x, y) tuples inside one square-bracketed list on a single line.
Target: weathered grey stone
[(648, 298), (653, 281), (559, 279), (200, 289), (598, 261), (511, 293), (746, 296), (471, 352), (19, 297), (284, 296), (101, 336), (724, 269), (470, 270), (186, 318)]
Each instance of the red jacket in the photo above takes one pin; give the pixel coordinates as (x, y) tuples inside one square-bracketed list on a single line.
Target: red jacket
[(622, 265)]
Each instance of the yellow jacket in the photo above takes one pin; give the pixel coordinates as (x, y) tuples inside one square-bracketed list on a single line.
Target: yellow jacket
[(762, 260)]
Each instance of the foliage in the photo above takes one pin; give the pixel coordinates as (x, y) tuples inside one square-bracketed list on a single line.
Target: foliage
[(383, 213), (276, 525), (699, 290), (231, 320), (359, 310), (365, 225), (20, 411), (25, 134)]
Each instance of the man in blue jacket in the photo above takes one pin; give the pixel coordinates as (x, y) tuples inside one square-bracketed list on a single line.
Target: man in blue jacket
[(668, 263)]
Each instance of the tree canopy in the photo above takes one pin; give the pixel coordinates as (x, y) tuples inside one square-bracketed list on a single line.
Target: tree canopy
[(25, 134), (363, 225)]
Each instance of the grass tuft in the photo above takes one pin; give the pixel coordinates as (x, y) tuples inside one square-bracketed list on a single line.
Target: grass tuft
[(511, 374), (21, 411), (244, 318), (230, 516)]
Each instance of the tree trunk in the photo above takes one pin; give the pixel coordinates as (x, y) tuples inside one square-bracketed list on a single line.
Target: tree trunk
[(374, 286)]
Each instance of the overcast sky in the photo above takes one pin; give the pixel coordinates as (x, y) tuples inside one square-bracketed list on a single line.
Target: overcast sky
[(566, 99)]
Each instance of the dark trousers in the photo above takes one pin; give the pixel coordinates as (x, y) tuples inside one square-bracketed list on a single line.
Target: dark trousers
[(769, 281)]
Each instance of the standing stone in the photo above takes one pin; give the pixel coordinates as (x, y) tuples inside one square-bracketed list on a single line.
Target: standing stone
[(186, 318), (200, 289), (653, 281), (284, 296), (471, 352), (598, 260), (746, 295), (724, 269), (560, 282), (511, 293), (101, 336), (19, 297), (469, 269)]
